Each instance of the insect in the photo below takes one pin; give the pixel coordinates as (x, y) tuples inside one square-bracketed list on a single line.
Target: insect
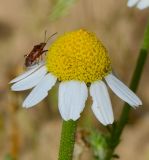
[(37, 51)]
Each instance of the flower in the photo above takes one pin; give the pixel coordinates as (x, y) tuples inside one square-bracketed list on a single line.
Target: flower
[(141, 4), (76, 59)]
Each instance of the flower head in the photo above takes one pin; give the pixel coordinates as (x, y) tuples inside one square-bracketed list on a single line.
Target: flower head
[(78, 55), (76, 59), (141, 4)]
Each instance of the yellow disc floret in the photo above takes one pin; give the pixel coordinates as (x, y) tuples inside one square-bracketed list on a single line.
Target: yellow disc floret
[(78, 55)]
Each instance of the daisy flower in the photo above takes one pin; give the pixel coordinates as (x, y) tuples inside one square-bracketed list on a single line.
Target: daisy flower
[(80, 62), (141, 4)]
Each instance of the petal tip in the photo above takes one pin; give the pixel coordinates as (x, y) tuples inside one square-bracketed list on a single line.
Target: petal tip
[(12, 81), (129, 5), (66, 119), (26, 106), (75, 118), (13, 88), (139, 104), (140, 7), (109, 122), (70, 118)]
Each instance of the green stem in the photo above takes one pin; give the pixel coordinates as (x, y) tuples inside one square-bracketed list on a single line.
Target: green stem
[(67, 140), (116, 133)]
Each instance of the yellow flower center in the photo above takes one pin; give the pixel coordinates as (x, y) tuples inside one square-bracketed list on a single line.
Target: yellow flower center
[(78, 55)]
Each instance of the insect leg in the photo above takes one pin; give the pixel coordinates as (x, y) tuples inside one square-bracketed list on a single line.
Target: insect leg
[(44, 52)]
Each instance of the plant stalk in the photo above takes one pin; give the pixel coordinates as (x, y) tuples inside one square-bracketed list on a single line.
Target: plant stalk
[(67, 140), (117, 131)]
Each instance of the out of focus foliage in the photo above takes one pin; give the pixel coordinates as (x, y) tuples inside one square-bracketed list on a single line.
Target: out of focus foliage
[(8, 157), (61, 8), (99, 144)]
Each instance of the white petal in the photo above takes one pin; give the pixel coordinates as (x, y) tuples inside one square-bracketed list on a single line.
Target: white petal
[(101, 107), (131, 3), (122, 91), (143, 4), (26, 74), (30, 81), (40, 91), (72, 97)]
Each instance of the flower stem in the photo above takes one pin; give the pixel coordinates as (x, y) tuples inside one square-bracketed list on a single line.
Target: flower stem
[(67, 140), (116, 133)]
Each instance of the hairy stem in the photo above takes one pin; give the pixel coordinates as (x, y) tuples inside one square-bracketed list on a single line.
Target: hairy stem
[(117, 131), (67, 140)]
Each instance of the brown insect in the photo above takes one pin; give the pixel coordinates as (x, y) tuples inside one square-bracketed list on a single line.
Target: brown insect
[(36, 53)]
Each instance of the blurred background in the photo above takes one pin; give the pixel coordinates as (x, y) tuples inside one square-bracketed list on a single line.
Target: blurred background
[(29, 134)]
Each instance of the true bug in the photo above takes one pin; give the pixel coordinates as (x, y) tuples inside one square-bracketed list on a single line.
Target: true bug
[(36, 52)]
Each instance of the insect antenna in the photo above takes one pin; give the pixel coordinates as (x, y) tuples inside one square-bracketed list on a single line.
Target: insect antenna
[(45, 35), (51, 36)]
